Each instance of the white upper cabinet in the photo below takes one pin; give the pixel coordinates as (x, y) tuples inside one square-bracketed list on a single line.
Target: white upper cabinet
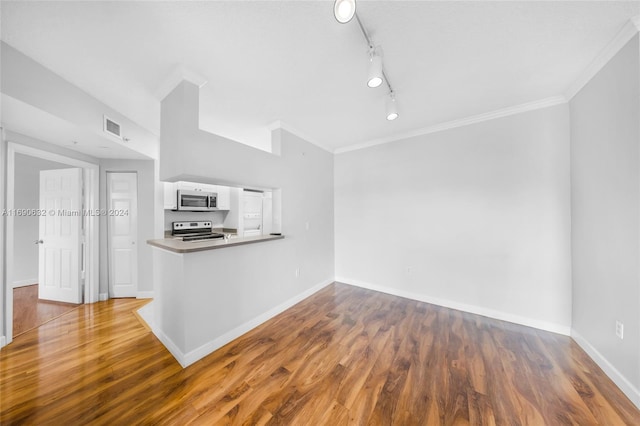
[(224, 197), (170, 195), (192, 186)]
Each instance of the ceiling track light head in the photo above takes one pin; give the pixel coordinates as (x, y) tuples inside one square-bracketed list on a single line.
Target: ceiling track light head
[(344, 10), (392, 107), (376, 76)]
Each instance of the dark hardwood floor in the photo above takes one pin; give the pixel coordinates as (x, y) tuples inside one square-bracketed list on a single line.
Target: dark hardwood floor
[(343, 356), (30, 312)]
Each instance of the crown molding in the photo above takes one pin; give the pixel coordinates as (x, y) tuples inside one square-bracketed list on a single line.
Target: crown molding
[(626, 33), (505, 112), (278, 124), (177, 76)]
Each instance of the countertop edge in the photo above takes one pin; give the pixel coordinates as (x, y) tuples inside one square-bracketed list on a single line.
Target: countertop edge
[(177, 246)]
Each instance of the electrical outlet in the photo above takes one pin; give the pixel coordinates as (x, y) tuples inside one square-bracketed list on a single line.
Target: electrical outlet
[(620, 330), (297, 272), (408, 270), (306, 226)]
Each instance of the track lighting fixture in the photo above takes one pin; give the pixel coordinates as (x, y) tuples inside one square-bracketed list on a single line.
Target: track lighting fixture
[(392, 108), (375, 69), (344, 10)]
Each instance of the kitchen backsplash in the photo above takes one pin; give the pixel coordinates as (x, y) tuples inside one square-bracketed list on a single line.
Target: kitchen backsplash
[(216, 218)]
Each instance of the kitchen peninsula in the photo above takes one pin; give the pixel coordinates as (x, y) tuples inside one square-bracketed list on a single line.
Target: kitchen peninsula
[(205, 284), (206, 293)]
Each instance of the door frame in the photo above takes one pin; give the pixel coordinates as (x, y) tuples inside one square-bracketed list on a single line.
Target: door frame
[(91, 225)]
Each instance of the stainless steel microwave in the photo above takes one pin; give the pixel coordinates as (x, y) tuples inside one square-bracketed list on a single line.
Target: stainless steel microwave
[(197, 201)]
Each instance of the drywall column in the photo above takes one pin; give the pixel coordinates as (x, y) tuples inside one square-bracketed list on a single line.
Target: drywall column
[(188, 153), (605, 204), (3, 289)]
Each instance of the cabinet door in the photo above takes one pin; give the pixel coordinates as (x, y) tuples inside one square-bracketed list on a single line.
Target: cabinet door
[(170, 196), (207, 188), (224, 197), (188, 186), (193, 186)]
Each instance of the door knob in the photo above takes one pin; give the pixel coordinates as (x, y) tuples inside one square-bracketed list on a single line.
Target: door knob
[(39, 242)]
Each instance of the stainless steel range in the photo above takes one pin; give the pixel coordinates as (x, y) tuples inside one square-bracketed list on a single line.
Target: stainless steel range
[(194, 231)]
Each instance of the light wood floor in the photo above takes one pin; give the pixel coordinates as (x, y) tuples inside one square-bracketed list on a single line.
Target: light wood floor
[(343, 356), (30, 312)]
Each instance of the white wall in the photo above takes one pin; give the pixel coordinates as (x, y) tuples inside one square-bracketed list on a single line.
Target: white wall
[(27, 189), (475, 218), (148, 208), (605, 197), (21, 139)]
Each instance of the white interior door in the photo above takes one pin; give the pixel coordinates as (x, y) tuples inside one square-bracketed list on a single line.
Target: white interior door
[(60, 235), (122, 194)]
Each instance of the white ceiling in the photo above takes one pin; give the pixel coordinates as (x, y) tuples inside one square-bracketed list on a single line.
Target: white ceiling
[(291, 61), (23, 118)]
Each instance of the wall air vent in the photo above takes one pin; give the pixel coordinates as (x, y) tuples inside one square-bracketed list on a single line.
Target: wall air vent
[(112, 128)]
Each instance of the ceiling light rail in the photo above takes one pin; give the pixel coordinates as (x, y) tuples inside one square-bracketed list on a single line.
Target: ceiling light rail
[(345, 11)]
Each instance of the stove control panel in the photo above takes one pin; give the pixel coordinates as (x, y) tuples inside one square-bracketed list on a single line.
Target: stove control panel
[(190, 226)]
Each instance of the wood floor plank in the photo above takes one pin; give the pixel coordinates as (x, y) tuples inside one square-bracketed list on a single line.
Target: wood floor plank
[(414, 399), (246, 412), (367, 399), (30, 312), (364, 359), (345, 355)]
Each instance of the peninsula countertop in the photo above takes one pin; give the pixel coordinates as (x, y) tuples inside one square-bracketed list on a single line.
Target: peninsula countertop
[(179, 246)]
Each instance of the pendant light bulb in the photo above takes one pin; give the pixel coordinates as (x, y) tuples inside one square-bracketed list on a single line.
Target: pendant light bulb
[(375, 70), (392, 108), (344, 10)]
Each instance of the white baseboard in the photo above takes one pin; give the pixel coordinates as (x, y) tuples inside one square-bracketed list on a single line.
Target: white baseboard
[(186, 359), (219, 342), (145, 295), (103, 296), (146, 313), (24, 283), (478, 310), (625, 386), (3, 341)]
